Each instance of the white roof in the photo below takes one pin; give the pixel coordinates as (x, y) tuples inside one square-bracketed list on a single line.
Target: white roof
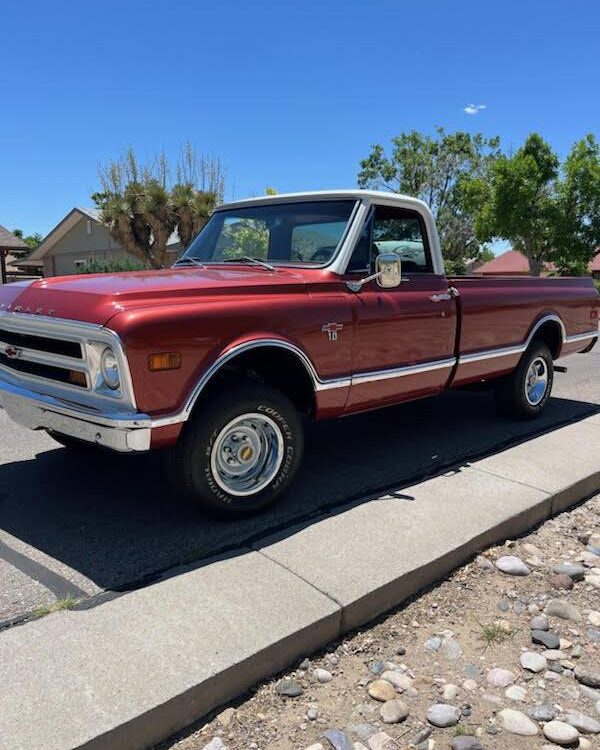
[(350, 194)]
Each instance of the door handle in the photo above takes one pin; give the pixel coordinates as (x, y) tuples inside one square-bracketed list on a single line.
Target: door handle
[(441, 297)]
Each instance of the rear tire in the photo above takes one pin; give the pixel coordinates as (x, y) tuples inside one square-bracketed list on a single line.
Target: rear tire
[(240, 451), (525, 392)]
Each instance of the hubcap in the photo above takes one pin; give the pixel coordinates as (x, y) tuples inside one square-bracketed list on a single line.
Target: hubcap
[(247, 454), (536, 382)]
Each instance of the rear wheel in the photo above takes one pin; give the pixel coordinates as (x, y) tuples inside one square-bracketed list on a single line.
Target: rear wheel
[(525, 392), (240, 451)]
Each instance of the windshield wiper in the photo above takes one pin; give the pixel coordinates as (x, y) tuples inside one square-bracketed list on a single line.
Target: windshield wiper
[(188, 261), (249, 259)]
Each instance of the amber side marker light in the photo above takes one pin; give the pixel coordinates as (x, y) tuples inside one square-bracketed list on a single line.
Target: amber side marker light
[(164, 361), (77, 378)]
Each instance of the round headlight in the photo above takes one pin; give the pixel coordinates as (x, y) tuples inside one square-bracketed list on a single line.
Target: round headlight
[(110, 369)]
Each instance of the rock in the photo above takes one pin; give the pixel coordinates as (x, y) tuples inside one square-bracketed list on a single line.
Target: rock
[(393, 712), (560, 733), (338, 740), (442, 715), (363, 731), (469, 685), (400, 651), (381, 690), (516, 722), (289, 688), (575, 572), (225, 717), (382, 741), (397, 679), (593, 578), (449, 692), (377, 667), (433, 644), (215, 744), (316, 746), (554, 655), (587, 677), (585, 724), (598, 707), (561, 581), (543, 712), (539, 622), (421, 736), (512, 566), (594, 634), (322, 676), (544, 638), (563, 609), (589, 693), (450, 649), (501, 678), (533, 662), (465, 742), (471, 671), (515, 693), (483, 563), (312, 713), (594, 549)]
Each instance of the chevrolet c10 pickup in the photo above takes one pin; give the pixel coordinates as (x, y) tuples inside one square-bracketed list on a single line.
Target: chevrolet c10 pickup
[(284, 308)]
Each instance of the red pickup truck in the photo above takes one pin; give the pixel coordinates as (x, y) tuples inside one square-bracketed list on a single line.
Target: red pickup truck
[(286, 307)]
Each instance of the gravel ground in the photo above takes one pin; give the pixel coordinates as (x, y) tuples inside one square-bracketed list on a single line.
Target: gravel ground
[(459, 667)]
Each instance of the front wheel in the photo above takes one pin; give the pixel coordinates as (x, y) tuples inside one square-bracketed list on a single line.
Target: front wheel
[(525, 392), (240, 451)]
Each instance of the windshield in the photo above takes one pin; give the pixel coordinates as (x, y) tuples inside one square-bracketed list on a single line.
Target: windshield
[(307, 232)]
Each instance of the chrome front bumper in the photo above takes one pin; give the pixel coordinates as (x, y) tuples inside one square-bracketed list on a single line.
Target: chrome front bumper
[(121, 431)]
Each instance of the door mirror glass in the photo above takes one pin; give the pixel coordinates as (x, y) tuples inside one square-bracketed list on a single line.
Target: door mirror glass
[(389, 270)]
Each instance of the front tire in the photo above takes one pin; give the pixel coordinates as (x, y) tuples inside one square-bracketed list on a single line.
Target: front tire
[(240, 451), (525, 392)]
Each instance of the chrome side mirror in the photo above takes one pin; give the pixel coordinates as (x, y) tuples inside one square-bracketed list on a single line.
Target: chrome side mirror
[(388, 273), (389, 270)]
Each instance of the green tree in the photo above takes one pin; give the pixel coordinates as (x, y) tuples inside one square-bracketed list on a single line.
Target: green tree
[(518, 203), (142, 204), (439, 170), (31, 240), (577, 209)]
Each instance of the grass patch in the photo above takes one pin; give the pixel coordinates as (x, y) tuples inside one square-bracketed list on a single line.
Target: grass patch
[(492, 635), (58, 606), (462, 730)]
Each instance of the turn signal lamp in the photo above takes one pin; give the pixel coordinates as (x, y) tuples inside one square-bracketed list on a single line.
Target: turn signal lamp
[(77, 378), (164, 361)]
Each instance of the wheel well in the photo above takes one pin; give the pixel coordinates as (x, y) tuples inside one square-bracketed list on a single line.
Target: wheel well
[(551, 334), (272, 365)]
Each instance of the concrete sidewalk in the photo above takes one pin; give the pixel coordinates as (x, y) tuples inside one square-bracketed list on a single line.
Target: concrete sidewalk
[(132, 671)]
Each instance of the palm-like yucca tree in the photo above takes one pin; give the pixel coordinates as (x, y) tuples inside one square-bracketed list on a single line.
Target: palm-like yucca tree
[(141, 208)]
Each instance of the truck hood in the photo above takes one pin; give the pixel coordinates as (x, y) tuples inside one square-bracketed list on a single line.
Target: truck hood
[(95, 298)]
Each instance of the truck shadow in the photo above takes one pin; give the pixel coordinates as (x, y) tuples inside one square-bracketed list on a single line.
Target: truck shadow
[(115, 520)]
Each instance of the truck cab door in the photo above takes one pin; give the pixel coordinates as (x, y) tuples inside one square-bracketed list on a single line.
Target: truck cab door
[(404, 340)]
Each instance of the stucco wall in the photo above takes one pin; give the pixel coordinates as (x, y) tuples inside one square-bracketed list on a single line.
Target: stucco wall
[(77, 245)]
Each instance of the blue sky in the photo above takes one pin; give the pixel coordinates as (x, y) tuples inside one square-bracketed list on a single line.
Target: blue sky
[(290, 95)]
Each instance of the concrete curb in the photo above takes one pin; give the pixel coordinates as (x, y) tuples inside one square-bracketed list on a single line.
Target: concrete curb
[(136, 669)]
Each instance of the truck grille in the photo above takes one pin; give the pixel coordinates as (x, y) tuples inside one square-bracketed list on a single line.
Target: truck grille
[(31, 354), (41, 343)]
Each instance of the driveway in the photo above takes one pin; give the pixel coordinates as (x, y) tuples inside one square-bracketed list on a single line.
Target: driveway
[(84, 525)]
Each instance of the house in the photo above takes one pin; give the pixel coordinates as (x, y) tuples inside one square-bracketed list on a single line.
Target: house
[(514, 263), (76, 240), (12, 250), (509, 263)]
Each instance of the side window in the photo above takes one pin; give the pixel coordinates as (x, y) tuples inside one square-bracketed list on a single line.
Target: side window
[(402, 232)]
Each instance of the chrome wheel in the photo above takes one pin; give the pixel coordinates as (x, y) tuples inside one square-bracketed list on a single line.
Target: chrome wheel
[(247, 454), (536, 381)]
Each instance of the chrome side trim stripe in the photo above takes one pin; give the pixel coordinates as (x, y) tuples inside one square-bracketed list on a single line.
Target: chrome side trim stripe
[(509, 351), (580, 337), (400, 372)]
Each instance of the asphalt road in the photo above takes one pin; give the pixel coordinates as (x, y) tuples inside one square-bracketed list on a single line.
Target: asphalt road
[(83, 525)]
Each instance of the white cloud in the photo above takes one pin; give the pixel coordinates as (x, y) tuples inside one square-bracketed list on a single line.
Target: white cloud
[(473, 109)]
